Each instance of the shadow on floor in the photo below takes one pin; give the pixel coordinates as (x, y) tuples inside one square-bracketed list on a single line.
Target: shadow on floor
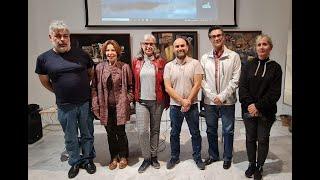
[(103, 155), (273, 167)]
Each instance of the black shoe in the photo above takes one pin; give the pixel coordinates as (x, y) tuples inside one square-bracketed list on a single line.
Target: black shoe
[(210, 161), (73, 172), (155, 163), (90, 167), (200, 164), (226, 164), (145, 164), (251, 169), (258, 173), (172, 163)]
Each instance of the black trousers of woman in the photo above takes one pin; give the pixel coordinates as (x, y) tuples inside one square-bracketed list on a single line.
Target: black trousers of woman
[(258, 129), (117, 137)]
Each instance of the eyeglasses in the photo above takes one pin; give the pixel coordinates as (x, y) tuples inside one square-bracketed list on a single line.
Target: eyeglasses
[(214, 36), (148, 43)]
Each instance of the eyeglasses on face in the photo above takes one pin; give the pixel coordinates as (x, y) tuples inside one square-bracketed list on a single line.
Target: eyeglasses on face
[(214, 36), (148, 43)]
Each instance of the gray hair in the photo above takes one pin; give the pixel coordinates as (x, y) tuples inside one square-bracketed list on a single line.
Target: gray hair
[(147, 36), (156, 51), (57, 24), (259, 37)]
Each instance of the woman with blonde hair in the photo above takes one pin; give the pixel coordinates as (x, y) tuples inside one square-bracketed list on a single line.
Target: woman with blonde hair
[(259, 91)]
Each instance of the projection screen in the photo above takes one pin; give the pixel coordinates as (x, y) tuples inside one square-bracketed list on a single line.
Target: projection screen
[(160, 12)]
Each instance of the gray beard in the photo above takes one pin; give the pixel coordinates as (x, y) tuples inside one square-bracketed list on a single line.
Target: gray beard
[(62, 50)]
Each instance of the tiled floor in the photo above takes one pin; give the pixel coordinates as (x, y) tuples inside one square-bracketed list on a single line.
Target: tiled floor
[(44, 156)]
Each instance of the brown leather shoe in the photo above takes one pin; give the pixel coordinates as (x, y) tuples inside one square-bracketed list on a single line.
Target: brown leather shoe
[(113, 164), (123, 163)]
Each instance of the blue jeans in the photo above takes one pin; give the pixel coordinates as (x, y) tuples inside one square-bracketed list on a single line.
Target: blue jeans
[(72, 118), (192, 118), (92, 153), (227, 114)]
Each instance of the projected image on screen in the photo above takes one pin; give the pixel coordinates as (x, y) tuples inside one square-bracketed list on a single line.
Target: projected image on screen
[(160, 12), (157, 10)]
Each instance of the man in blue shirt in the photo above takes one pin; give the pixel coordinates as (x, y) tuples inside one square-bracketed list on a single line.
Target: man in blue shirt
[(67, 72)]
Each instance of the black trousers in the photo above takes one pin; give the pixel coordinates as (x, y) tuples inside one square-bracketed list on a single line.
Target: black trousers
[(258, 129), (117, 137)]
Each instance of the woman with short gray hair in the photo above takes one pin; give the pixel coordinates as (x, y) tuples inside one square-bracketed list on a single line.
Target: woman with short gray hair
[(150, 97)]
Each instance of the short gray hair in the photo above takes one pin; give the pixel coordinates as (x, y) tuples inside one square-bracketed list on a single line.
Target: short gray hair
[(57, 24), (147, 36), (264, 36)]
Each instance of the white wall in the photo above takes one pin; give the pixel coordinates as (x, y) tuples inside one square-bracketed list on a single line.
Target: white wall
[(270, 16), (287, 93)]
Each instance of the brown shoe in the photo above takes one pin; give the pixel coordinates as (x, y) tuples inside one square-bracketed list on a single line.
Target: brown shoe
[(123, 163), (113, 164)]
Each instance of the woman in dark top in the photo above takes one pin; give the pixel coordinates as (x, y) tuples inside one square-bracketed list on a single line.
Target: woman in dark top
[(259, 91), (112, 92)]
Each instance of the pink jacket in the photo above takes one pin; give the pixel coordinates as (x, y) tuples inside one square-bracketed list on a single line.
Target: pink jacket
[(100, 93)]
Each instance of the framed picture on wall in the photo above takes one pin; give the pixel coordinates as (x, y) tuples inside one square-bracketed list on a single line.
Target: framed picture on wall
[(165, 42), (242, 42), (91, 43)]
